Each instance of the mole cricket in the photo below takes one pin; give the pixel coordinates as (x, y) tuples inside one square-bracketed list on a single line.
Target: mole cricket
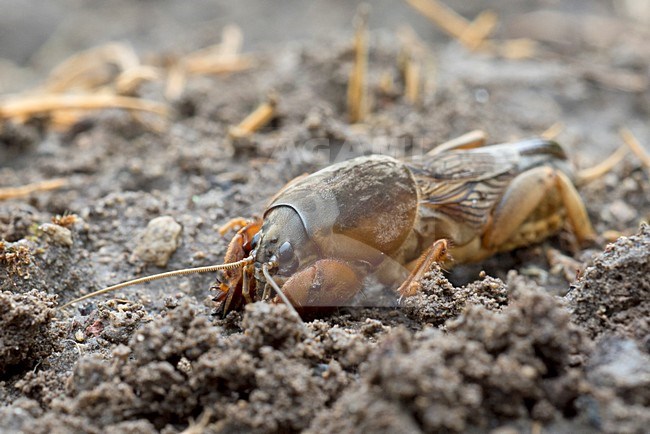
[(322, 234)]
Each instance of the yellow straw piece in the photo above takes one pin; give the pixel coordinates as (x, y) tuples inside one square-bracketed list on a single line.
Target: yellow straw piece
[(25, 190)]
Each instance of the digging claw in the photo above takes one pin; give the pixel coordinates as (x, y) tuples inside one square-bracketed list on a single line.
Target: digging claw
[(327, 283)]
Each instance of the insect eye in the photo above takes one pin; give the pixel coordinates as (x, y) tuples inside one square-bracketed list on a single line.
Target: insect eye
[(285, 252), (255, 241)]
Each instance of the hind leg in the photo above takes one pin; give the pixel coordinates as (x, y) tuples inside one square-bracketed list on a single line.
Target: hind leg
[(524, 196)]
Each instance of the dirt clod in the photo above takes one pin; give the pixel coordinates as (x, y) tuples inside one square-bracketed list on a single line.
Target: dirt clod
[(460, 380), (614, 293), (439, 300), (620, 364), (16, 259), (243, 379), (28, 334)]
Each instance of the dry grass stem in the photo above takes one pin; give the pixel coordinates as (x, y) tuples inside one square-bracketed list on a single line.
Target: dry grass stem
[(258, 118), (357, 86), (220, 66), (26, 106), (222, 58), (413, 64), (442, 16), (473, 139), (232, 41), (229, 48), (412, 75), (474, 34), (553, 131), (26, 190), (63, 119), (478, 30), (128, 82), (470, 34), (634, 145), (587, 175), (561, 263), (176, 81), (91, 68)]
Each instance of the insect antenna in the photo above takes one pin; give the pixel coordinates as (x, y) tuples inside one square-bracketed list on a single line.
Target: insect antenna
[(278, 291), (183, 272)]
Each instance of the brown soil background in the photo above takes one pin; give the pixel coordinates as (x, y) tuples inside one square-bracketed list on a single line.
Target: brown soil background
[(521, 350)]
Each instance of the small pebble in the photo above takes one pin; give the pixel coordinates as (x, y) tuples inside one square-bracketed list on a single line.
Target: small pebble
[(622, 212), (79, 336), (57, 234), (160, 239)]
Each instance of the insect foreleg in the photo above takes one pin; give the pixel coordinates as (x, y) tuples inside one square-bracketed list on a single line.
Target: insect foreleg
[(326, 283), (437, 253), (246, 283)]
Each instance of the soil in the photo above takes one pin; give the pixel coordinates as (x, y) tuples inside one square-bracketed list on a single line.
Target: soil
[(551, 337)]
